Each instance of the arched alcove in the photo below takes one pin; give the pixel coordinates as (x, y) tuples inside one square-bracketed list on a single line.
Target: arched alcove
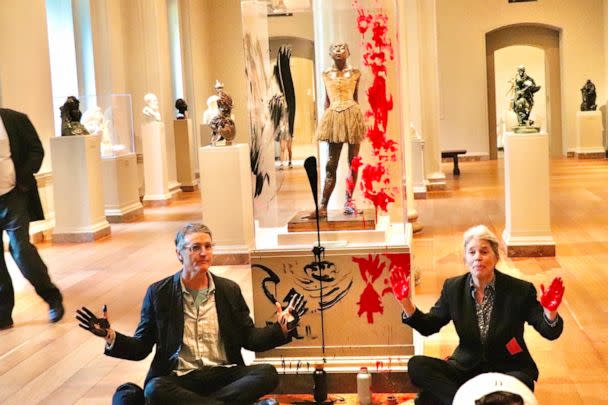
[(548, 40)]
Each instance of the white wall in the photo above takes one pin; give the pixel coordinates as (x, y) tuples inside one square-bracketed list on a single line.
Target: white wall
[(25, 72), (461, 29)]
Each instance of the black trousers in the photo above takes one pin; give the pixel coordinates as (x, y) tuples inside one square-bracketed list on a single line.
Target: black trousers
[(439, 380), (213, 385), (15, 221)]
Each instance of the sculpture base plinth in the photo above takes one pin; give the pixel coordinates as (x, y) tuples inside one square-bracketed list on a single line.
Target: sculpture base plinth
[(335, 221), (81, 237), (128, 215), (530, 250), (526, 129), (160, 202)]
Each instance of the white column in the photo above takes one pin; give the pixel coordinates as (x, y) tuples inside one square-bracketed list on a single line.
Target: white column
[(527, 203), (429, 91)]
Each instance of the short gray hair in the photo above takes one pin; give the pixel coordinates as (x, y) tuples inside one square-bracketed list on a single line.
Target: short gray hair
[(482, 232), (188, 229)]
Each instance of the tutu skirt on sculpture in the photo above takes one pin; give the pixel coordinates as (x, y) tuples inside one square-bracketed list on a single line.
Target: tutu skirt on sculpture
[(342, 126)]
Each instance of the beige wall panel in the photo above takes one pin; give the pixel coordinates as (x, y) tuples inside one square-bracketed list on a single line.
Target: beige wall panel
[(196, 42), (25, 71), (461, 28), (227, 59)]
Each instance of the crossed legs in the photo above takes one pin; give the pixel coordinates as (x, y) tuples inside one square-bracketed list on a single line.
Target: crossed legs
[(214, 385)]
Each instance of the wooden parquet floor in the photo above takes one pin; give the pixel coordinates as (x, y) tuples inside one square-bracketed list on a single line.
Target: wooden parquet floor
[(42, 363)]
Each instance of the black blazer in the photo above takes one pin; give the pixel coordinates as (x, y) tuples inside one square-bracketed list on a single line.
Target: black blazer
[(162, 324), (27, 154), (515, 303)]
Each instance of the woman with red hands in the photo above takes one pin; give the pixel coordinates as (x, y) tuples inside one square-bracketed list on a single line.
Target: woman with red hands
[(489, 310)]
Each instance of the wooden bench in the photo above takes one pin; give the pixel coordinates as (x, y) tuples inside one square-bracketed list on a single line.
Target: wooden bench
[(454, 155)]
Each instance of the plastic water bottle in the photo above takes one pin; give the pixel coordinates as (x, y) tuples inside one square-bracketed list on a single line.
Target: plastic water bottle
[(364, 389), (319, 389)]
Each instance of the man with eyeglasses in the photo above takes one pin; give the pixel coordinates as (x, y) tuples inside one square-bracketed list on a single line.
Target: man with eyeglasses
[(199, 322)]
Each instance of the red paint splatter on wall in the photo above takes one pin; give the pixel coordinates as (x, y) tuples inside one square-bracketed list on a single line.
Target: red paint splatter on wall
[(377, 51), (370, 303), (371, 269)]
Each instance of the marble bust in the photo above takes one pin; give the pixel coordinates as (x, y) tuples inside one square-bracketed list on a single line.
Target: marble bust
[(151, 109)]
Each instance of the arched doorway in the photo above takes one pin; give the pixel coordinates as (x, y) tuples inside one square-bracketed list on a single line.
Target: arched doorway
[(538, 36)]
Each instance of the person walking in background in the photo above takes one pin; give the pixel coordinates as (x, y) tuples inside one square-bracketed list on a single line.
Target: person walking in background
[(21, 155)]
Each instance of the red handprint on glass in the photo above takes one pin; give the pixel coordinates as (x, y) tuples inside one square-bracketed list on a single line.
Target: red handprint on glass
[(552, 297), (400, 283)]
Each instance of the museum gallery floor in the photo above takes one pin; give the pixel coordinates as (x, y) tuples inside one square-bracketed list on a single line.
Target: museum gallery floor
[(61, 364)]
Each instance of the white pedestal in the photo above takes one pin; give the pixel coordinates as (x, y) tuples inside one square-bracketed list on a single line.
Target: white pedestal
[(155, 164), (527, 210), (589, 135), (184, 154), (121, 195), (226, 196), (78, 189), (418, 168)]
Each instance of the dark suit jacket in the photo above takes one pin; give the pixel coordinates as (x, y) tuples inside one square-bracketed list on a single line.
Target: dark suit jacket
[(515, 303), (27, 154), (162, 324)]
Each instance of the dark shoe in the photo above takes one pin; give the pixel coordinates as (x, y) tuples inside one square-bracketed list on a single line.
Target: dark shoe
[(267, 401), (6, 324), (56, 312)]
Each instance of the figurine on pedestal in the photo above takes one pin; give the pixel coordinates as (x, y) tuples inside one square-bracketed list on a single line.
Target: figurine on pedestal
[(589, 96), (151, 112), (70, 118), (222, 124), (182, 109), (342, 121), (94, 121), (524, 88)]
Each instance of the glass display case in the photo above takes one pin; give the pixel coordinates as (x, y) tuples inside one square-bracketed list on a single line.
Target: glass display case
[(341, 262), (367, 192)]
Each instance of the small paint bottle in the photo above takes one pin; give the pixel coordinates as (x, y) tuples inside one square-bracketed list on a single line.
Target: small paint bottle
[(364, 386), (319, 389)]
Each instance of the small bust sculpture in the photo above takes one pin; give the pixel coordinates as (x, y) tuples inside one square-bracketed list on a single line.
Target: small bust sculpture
[(151, 111), (589, 96), (182, 109), (94, 121), (222, 125), (70, 118)]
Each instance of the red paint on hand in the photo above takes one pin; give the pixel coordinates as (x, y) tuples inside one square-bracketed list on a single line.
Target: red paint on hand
[(552, 297)]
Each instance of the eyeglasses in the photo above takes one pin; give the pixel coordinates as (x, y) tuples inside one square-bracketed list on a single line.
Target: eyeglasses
[(198, 248)]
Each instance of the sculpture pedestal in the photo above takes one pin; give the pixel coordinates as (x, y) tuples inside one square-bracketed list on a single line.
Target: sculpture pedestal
[(121, 197), (226, 196), (418, 169), (78, 189), (156, 178), (589, 135), (184, 154), (528, 221)]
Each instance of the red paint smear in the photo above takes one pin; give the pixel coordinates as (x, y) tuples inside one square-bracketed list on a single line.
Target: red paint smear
[(371, 266), (370, 303), (376, 51), (399, 262)]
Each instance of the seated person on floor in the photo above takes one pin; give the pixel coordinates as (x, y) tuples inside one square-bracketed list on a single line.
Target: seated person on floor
[(489, 310), (199, 322)]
